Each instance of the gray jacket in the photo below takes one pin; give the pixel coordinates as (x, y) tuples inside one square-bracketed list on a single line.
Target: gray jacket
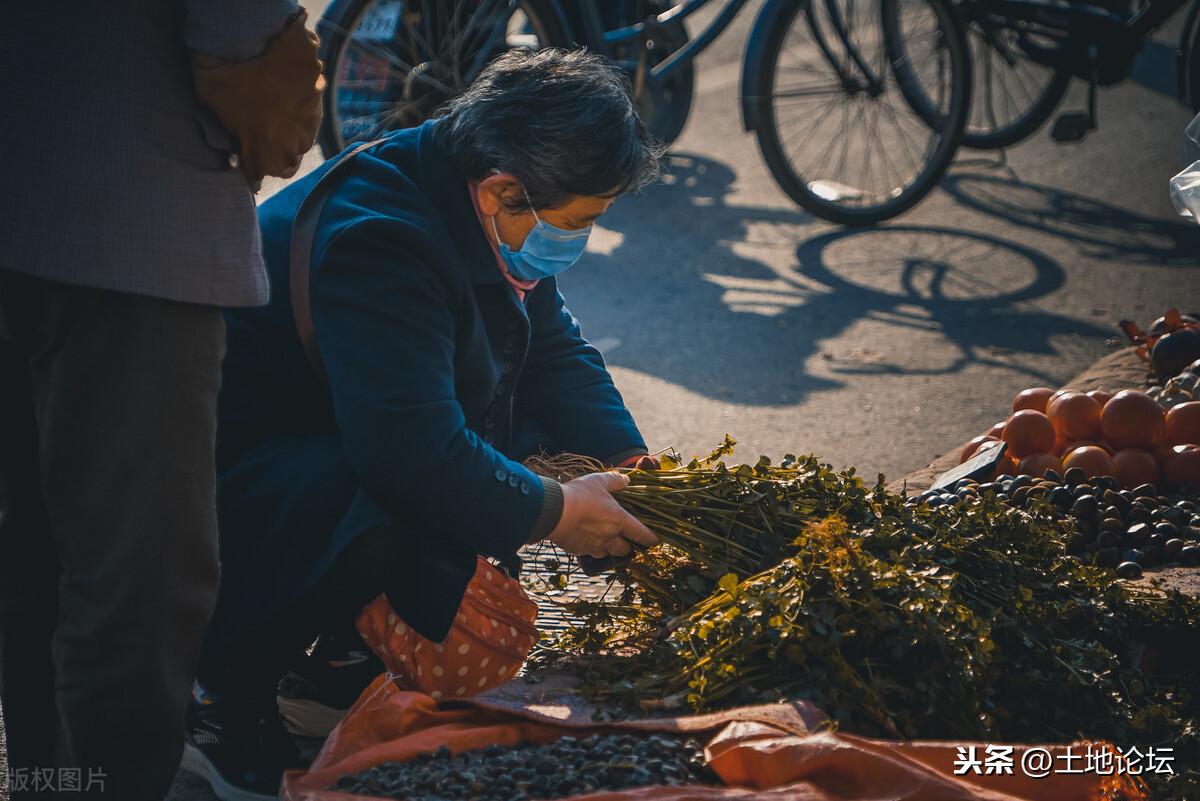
[(111, 174)]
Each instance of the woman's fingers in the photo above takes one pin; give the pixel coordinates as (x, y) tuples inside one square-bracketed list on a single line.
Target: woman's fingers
[(635, 531), (594, 523), (619, 546), (613, 482)]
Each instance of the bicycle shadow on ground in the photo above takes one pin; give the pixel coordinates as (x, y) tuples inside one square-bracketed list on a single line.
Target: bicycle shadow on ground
[(951, 281), (732, 302), (1105, 232)]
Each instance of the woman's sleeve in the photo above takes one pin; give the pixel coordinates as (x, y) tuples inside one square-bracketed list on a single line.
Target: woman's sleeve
[(385, 328)]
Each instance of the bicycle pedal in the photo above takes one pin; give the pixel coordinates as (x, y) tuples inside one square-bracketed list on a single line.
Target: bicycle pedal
[(1072, 126)]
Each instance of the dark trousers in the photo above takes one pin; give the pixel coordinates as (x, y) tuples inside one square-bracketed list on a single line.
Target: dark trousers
[(108, 553), (243, 663)]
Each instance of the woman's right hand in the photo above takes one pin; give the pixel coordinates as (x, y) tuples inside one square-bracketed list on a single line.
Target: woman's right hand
[(593, 523)]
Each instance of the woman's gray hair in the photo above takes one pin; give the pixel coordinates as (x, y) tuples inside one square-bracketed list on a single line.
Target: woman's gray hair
[(561, 121)]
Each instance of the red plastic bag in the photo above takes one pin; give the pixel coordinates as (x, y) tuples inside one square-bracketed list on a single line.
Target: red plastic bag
[(492, 635), (778, 752)]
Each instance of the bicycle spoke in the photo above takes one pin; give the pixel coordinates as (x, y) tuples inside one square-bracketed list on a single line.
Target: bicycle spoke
[(448, 36), (396, 67), (385, 113), (415, 36), (430, 18), (870, 134), (405, 71), (814, 125), (481, 23), (915, 151), (1030, 96), (374, 50), (815, 169)]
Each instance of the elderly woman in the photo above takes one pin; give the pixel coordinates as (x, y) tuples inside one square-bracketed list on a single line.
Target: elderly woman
[(443, 354)]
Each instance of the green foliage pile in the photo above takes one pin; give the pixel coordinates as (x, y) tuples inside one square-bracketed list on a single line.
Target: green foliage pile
[(897, 620)]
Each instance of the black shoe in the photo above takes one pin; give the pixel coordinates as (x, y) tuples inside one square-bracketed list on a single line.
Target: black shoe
[(241, 750), (325, 683)]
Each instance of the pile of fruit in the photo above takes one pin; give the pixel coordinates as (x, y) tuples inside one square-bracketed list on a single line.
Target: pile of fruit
[(559, 769), (950, 621), (1127, 436)]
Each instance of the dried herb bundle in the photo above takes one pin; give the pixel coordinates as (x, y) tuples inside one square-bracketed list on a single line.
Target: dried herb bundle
[(897, 620), (715, 519)]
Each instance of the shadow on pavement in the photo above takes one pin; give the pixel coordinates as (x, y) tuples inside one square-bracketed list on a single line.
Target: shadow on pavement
[(1105, 232), (692, 275), (973, 289)]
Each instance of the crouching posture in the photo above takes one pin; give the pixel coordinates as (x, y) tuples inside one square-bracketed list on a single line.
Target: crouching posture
[(373, 417)]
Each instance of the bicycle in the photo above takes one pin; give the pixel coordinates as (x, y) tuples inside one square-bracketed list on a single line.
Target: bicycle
[(1096, 41), (390, 63), (824, 82)]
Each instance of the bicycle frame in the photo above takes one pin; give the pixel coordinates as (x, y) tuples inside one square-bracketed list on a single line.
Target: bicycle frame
[(1079, 27), (677, 14), (607, 41)]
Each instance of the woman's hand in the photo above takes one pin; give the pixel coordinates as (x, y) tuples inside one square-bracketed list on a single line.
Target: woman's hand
[(593, 523)]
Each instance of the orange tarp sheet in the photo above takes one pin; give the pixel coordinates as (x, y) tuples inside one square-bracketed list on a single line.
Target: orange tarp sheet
[(778, 752)]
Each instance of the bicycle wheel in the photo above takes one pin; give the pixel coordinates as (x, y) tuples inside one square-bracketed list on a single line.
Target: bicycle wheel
[(836, 131), (662, 105), (391, 63), (1016, 87)]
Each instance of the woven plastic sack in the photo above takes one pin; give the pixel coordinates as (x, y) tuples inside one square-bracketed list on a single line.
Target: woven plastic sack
[(492, 635)]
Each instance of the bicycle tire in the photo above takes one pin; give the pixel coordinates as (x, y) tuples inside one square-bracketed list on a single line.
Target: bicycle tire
[(1024, 126), (336, 27), (980, 136), (665, 109), (772, 145), (1034, 108)]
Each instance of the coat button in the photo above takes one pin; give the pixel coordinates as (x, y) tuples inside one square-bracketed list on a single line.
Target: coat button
[(488, 439), (501, 474), (234, 160), (506, 368), (524, 487), (513, 480)]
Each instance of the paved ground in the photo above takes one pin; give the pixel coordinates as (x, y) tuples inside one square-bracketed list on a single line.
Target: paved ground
[(720, 307)]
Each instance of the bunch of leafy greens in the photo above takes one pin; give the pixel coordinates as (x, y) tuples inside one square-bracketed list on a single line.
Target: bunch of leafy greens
[(793, 581)]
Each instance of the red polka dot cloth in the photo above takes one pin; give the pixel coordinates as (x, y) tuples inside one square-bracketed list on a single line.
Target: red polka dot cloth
[(491, 636)]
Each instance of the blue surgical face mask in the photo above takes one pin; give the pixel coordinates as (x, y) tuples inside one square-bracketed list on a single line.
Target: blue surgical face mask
[(547, 250)]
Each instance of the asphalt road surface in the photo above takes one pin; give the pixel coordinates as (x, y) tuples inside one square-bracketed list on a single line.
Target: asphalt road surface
[(722, 308)]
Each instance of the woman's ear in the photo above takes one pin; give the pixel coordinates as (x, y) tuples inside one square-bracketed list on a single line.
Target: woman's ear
[(496, 192)]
